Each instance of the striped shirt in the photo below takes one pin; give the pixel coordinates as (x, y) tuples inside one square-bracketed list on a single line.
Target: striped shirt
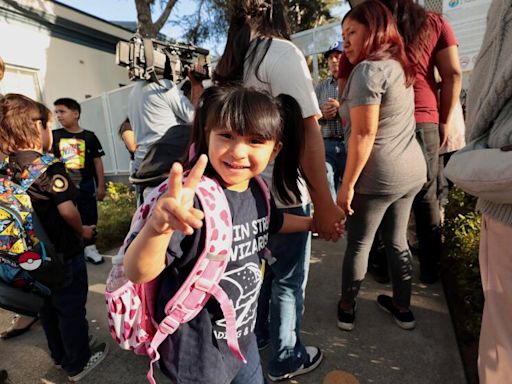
[(328, 88)]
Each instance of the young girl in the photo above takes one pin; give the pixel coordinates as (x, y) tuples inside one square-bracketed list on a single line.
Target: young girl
[(240, 130)]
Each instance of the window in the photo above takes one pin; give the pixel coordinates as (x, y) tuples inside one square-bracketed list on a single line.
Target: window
[(21, 80)]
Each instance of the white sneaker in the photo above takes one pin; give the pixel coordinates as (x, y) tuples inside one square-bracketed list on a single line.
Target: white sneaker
[(92, 255)]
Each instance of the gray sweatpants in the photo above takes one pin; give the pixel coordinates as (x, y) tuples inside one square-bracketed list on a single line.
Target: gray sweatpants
[(391, 213)]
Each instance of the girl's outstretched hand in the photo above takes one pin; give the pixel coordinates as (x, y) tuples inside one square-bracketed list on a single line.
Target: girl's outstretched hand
[(175, 209)]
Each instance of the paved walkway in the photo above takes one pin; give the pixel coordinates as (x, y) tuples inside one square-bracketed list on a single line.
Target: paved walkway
[(376, 351)]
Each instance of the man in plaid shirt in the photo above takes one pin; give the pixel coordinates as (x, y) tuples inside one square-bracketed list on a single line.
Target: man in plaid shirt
[(330, 123)]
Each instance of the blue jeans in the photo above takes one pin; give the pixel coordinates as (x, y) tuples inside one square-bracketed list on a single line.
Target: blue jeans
[(63, 318), (283, 292), (250, 373), (335, 160)]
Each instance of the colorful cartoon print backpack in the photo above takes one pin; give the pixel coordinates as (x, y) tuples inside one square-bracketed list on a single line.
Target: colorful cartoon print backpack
[(27, 258), (130, 306)]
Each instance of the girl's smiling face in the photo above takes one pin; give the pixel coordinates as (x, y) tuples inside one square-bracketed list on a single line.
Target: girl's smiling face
[(354, 35), (237, 159)]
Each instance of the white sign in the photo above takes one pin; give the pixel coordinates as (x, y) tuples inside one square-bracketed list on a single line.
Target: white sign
[(468, 20)]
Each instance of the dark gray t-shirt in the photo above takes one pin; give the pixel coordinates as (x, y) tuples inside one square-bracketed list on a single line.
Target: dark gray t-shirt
[(197, 353), (396, 162)]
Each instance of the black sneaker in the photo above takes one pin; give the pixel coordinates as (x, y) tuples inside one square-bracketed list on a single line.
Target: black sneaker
[(98, 353), (314, 357), (405, 320), (347, 319)]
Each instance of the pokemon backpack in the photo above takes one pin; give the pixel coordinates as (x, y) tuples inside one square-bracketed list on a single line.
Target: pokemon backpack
[(130, 306), (28, 260)]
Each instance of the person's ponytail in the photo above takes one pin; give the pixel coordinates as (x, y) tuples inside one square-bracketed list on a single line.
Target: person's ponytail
[(287, 168)]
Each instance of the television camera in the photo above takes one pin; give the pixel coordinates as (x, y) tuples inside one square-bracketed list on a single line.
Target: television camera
[(151, 60)]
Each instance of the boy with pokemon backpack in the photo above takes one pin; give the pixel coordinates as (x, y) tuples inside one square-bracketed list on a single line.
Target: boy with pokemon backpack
[(25, 135)]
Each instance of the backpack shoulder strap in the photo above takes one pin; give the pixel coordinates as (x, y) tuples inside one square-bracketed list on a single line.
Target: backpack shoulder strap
[(31, 173), (203, 280)]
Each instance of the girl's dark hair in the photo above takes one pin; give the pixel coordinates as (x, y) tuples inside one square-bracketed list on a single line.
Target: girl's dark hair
[(19, 114), (287, 163), (248, 111), (411, 20), (384, 40), (266, 19)]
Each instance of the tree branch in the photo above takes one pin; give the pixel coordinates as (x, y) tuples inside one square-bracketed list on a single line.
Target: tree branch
[(159, 23)]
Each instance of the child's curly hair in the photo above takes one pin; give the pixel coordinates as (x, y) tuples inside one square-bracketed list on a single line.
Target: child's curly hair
[(18, 116)]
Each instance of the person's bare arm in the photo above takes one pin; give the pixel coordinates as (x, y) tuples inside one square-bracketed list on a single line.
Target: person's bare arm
[(365, 120), (447, 63), (313, 162), (295, 223), (129, 141), (100, 178)]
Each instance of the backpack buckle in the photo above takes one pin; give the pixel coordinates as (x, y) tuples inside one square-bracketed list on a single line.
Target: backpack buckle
[(168, 325), (204, 285)]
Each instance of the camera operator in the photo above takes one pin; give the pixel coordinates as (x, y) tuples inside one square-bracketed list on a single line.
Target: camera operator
[(154, 107)]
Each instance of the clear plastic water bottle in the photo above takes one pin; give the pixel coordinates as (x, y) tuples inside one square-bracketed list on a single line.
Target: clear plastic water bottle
[(116, 278)]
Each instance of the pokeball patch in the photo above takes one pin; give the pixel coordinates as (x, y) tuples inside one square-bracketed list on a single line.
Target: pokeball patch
[(30, 261)]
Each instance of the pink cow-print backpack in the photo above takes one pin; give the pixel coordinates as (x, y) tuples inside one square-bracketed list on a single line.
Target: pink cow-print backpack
[(130, 306)]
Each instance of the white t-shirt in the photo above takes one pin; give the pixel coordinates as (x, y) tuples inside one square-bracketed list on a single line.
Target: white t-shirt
[(284, 70), (152, 110)]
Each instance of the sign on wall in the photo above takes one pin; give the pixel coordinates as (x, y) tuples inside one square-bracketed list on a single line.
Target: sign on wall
[(468, 19)]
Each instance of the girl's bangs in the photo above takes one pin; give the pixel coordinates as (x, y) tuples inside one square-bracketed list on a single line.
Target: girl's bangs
[(247, 113)]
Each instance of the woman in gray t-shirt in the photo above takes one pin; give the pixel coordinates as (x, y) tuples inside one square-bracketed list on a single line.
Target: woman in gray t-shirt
[(385, 166)]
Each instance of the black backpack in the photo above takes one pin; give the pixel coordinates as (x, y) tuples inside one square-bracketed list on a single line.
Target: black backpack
[(170, 148)]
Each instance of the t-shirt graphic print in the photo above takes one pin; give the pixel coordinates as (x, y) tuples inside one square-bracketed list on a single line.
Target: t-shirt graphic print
[(72, 152)]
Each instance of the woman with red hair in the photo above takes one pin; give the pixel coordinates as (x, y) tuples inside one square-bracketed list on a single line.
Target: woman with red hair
[(385, 165)]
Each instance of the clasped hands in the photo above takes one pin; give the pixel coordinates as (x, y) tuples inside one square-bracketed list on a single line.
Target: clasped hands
[(329, 223), (330, 109)]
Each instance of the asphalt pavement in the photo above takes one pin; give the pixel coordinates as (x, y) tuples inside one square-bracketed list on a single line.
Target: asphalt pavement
[(376, 351)]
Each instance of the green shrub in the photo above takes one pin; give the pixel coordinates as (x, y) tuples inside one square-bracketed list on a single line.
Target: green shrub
[(115, 214), (461, 234)]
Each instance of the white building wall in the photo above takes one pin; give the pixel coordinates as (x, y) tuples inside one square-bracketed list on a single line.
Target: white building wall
[(79, 72), (46, 67)]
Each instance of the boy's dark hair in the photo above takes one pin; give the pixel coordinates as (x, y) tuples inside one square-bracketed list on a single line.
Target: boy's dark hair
[(249, 111), (266, 17), (17, 126), (69, 103)]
